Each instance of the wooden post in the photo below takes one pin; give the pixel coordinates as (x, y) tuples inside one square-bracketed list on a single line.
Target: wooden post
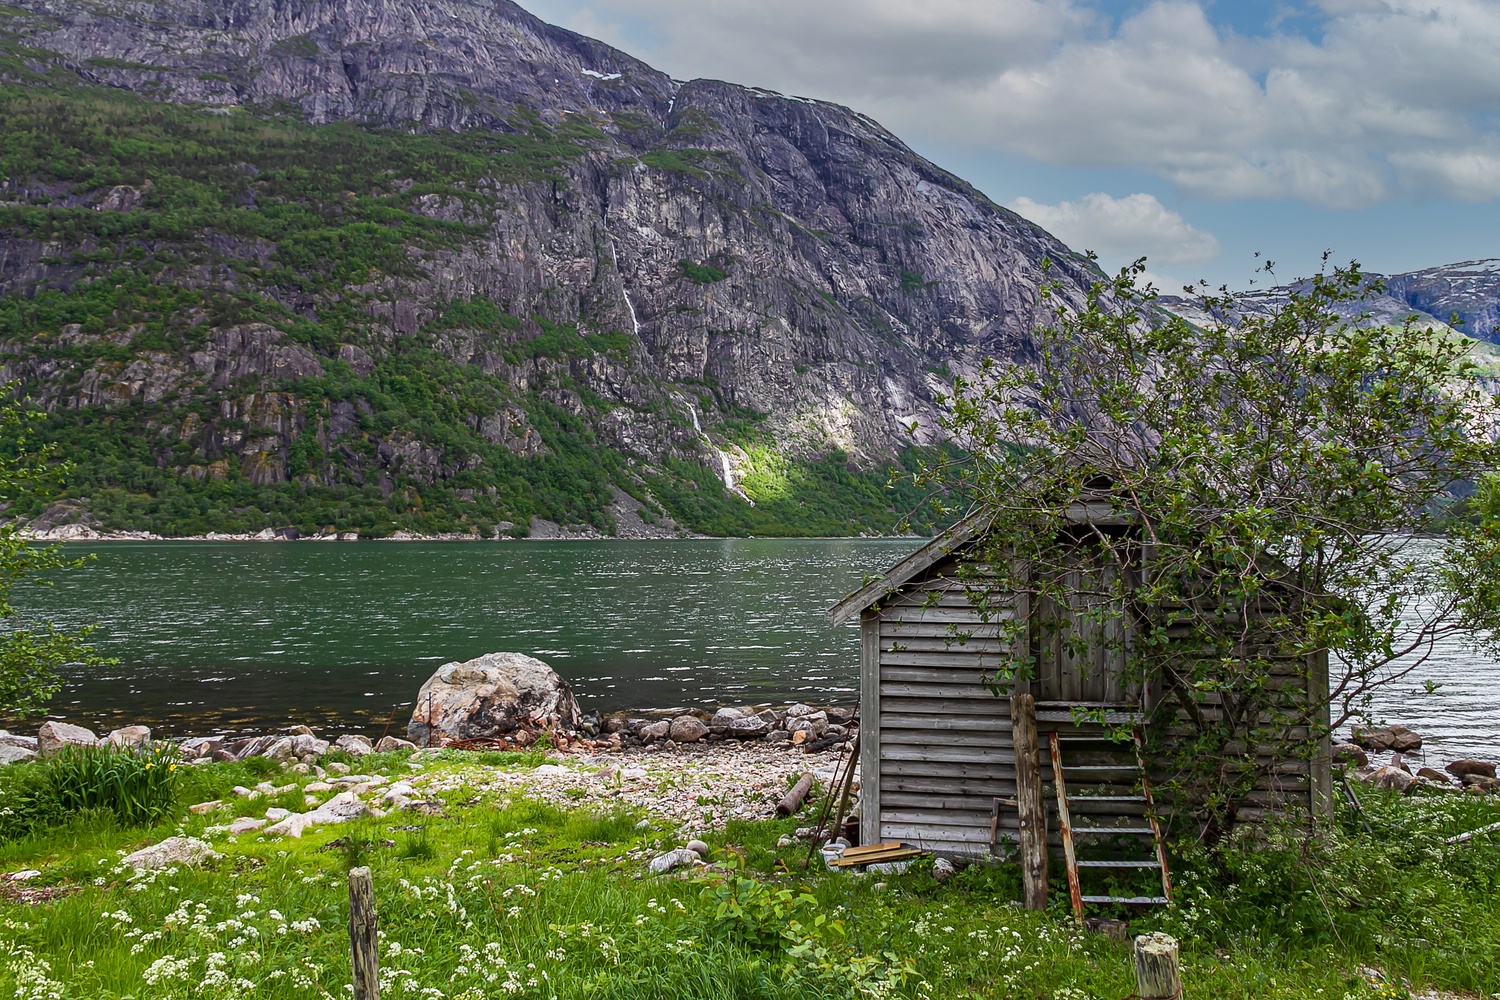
[(1156, 975), (362, 940), (1033, 815)]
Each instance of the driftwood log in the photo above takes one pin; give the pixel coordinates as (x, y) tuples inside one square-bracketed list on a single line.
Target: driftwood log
[(792, 800), (363, 945), (1156, 974)]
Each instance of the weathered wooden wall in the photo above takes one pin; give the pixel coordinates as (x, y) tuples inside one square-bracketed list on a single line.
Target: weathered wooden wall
[(938, 748)]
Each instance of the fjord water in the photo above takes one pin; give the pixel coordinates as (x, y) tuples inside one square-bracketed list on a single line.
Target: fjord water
[(236, 636)]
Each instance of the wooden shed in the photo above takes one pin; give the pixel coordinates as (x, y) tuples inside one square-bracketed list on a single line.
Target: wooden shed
[(937, 755)]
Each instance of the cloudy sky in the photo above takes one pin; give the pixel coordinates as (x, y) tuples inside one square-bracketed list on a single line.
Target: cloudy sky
[(1196, 132)]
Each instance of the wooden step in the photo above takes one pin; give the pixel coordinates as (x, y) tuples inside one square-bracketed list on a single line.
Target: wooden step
[(1101, 830), (1119, 864), (1134, 900)]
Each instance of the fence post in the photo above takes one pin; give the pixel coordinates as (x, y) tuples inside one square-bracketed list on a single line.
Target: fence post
[(363, 945), (1156, 975), (1031, 813)]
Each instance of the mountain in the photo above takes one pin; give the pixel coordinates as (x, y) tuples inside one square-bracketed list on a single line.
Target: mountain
[(1465, 296), (385, 265)]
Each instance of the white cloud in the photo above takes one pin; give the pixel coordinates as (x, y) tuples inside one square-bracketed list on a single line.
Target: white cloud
[(1391, 96), (1123, 229)]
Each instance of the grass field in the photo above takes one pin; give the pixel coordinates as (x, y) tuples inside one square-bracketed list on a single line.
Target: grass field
[(502, 894)]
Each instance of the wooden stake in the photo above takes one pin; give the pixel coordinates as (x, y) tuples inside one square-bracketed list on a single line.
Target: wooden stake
[(1029, 807), (792, 800), (363, 945), (1156, 975)]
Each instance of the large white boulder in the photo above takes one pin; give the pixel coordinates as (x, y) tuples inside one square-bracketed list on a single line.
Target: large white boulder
[(491, 695), (54, 736)]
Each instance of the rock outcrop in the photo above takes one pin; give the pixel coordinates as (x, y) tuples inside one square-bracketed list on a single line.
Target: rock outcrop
[(633, 266), (53, 737), (491, 695)]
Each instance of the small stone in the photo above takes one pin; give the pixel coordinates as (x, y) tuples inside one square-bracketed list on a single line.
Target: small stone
[(1434, 775), (317, 786), (130, 738), (748, 727), (54, 736), (202, 808), (276, 814), (353, 743), (879, 887), (664, 863), (1398, 761), (1459, 768), (943, 870), (699, 848), (23, 876), (656, 731), (187, 851), (784, 841), (778, 736), (1391, 778), (1479, 781), (245, 824), (390, 743), (336, 767), (687, 729), (1348, 753), (723, 719), (799, 710), (297, 731)]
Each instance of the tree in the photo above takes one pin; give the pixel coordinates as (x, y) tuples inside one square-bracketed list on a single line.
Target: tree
[(1269, 475), (31, 655)]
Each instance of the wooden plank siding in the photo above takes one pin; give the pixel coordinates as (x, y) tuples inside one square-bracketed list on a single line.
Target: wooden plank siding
[(937, 750), (944, 740)]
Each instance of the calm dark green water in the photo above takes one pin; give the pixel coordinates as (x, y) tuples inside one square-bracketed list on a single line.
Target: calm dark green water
[(233, 636), (237, 636)]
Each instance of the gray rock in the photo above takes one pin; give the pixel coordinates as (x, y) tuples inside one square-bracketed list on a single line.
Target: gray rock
[(298, 731), (245, 824), (1391, 738), (54, 736), (15, 755), (799, 710), (778, 736), (943, 870), (723, 719), (12, 740), (340, 809), (130, 738), (687, 729), (389, 743), (1433, 775), (491, 695), (1459, 768), (748, 728), (353, 743), (199, 746), (186, 851), (678, 858), (656, 730), (699, 848), (814, 724), (1391, 778)]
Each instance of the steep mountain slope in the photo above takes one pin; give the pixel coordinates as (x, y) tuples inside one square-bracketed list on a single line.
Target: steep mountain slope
[(438, 266)]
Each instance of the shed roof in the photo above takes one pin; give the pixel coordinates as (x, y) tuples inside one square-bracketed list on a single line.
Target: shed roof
[(909, 568), (1094, 507)]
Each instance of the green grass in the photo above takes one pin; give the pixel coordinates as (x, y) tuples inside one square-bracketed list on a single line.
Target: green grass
[(506, 895)]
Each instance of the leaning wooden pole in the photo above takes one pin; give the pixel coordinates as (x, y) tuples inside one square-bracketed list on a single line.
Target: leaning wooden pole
[(1029, 805), (1156, 973), (363, 945)]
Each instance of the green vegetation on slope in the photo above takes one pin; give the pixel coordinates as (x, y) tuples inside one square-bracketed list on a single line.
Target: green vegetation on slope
[(163, 225)]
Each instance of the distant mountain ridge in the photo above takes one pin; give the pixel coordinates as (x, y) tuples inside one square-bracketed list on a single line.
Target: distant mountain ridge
[(1467, 293), (382, 265)]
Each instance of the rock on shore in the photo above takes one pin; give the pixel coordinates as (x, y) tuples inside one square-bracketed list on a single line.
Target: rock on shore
[(491, 695)]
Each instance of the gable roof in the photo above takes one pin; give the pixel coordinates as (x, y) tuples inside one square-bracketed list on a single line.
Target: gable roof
[(909, 568)]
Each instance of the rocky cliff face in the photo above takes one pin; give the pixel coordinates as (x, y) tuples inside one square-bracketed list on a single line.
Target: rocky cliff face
[(411, 256)]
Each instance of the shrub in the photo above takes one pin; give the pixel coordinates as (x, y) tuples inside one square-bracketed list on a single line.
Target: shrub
[(137, 786)]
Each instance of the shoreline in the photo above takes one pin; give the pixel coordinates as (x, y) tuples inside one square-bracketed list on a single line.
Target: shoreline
[(53, 536)]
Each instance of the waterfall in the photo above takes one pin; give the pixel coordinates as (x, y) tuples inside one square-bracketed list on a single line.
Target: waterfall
[(726, 470), (614, 255)]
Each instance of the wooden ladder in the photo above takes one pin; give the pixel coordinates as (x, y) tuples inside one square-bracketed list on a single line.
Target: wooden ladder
[(1152, 829)]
